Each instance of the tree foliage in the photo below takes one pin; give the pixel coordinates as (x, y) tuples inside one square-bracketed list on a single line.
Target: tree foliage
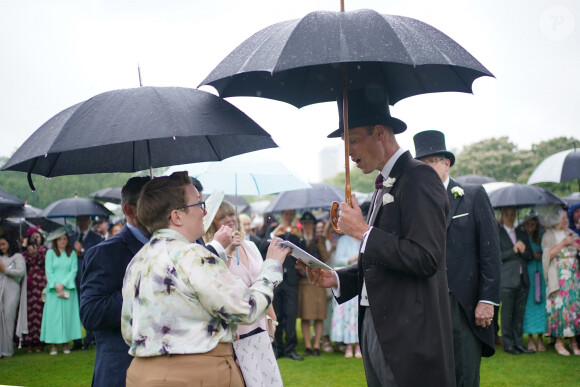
[(56, 188), (495, 157)]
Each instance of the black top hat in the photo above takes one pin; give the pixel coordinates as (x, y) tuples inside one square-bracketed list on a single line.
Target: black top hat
[(307, 217), (369, 106), (431, 142)]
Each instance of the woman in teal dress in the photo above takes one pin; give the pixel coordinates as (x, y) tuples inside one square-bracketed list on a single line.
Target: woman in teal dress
[(61, 321), (535, 319)]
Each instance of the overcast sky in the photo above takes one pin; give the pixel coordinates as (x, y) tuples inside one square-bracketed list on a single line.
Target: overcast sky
[(57, 53)]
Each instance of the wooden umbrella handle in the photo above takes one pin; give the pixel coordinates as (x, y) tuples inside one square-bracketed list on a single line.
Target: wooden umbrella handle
[(334, 207)]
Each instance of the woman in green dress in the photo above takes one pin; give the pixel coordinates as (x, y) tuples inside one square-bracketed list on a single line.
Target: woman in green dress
[(61, 321)]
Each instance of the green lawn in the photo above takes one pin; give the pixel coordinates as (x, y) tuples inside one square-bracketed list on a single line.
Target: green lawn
[(541, 369)]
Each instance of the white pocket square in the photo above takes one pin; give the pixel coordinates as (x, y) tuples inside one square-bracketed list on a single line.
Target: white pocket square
[(388, 198), (460, 215)]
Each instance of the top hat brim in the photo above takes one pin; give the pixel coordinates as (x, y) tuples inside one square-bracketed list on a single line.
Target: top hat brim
[(396, 124), (445, 153)]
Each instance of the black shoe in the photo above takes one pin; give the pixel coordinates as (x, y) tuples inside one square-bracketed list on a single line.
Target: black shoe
[(76, 347), (294, 356), (86, 346), (512, 350), (522, 349), (316, 352), (307, 352)]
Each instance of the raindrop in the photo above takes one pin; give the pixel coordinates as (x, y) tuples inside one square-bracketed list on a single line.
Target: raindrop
[(258, 93), (45, 155), (173, 138)]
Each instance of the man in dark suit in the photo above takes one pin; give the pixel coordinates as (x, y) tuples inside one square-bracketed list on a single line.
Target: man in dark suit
[(82, 241), (400, 278), (515, 253), (285, 300), (101, 284), (473, 261)]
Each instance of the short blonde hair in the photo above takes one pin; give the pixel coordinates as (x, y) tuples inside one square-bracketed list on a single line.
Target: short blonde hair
[(159, 197), (229, 209)]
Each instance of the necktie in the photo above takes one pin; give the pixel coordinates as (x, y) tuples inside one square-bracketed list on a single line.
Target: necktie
[(81, 237), (513, 235), (379, 181)]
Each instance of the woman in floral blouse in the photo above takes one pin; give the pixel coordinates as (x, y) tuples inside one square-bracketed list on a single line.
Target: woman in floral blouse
[(560, 248), (180, 299)]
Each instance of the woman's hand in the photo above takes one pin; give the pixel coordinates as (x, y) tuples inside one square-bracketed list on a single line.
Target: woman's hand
[(276, 251), (2, 267), (237, 240), (59, 290)]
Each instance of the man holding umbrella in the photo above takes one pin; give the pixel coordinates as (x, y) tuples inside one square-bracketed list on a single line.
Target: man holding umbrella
[(473, 265), (404, 317)]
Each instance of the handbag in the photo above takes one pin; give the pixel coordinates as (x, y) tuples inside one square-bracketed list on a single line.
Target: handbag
[(271, 325), (537, 287), (256, 359)]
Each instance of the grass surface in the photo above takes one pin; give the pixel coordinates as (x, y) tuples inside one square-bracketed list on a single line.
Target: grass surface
[(541, 369)]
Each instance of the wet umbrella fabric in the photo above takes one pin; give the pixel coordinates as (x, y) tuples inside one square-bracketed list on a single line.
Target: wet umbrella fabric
[(9, 201), (572, 198), (111, 195), (521, 195), (297, 61), (474, 179), (131, 130), (73, 207), (319, 197), (558, 168)]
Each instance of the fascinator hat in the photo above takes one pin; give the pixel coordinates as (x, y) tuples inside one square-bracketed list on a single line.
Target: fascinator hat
[(212, 205), (549, 215)]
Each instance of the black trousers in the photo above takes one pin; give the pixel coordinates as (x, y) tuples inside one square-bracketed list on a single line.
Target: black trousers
[(286, 307)]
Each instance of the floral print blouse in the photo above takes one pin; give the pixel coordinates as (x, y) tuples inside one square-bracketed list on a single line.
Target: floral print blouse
[(179, 298)]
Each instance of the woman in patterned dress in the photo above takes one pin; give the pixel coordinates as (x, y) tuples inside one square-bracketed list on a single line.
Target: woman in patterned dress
[(560, 247), (34, 253)]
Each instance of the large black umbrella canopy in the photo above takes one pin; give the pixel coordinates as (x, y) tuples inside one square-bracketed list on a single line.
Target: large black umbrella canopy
[(111, 195), (73, 207), (521, 195), (558, 168), (135, 129), (297, 61), (572, 198), (9, 201), (474, 179), (318, 197)]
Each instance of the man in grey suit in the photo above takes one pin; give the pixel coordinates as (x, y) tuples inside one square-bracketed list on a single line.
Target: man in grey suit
[(472, 258), (515, 253)]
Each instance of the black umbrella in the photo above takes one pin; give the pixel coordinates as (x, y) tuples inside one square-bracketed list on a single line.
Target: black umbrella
[(318, 197), (112, 195), (474, 179), (135, 129), (73, 207), (9, 201), (297, 61), (323, 55), (560, 167), (521, 195)]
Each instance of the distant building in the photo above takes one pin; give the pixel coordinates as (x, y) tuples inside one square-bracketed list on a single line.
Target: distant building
[(331, 161)]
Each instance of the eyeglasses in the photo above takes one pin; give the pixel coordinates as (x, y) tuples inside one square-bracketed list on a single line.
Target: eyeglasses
[(200, 204), (433, 160)]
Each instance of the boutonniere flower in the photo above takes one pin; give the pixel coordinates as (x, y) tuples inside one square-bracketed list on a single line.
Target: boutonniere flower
[(457, 191), (388, 198), (389, 181)]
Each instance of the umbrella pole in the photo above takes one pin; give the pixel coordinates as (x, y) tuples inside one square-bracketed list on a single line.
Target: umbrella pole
[(347, 192), (236, 220), (149, 156)]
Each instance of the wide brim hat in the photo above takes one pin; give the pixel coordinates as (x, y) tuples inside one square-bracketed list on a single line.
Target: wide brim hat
[(431, 143), (369, 106), (212, 205), (66, 229), (31, 230)]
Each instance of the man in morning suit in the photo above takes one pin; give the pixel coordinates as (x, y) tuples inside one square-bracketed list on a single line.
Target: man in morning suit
[(515, 253), (473, 261), (400, 277)]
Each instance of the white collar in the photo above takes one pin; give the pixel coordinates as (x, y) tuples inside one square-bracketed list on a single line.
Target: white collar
[(389, 165)]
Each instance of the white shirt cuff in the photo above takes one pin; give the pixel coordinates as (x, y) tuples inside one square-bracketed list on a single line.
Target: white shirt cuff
[(219, 250), (365, 237), (489, 302), (336, 289)]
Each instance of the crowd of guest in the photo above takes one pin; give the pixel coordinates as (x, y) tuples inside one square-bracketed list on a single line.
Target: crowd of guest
[(540, 296)]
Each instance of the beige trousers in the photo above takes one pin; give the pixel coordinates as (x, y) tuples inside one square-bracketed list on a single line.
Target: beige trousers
[(214, 368)]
